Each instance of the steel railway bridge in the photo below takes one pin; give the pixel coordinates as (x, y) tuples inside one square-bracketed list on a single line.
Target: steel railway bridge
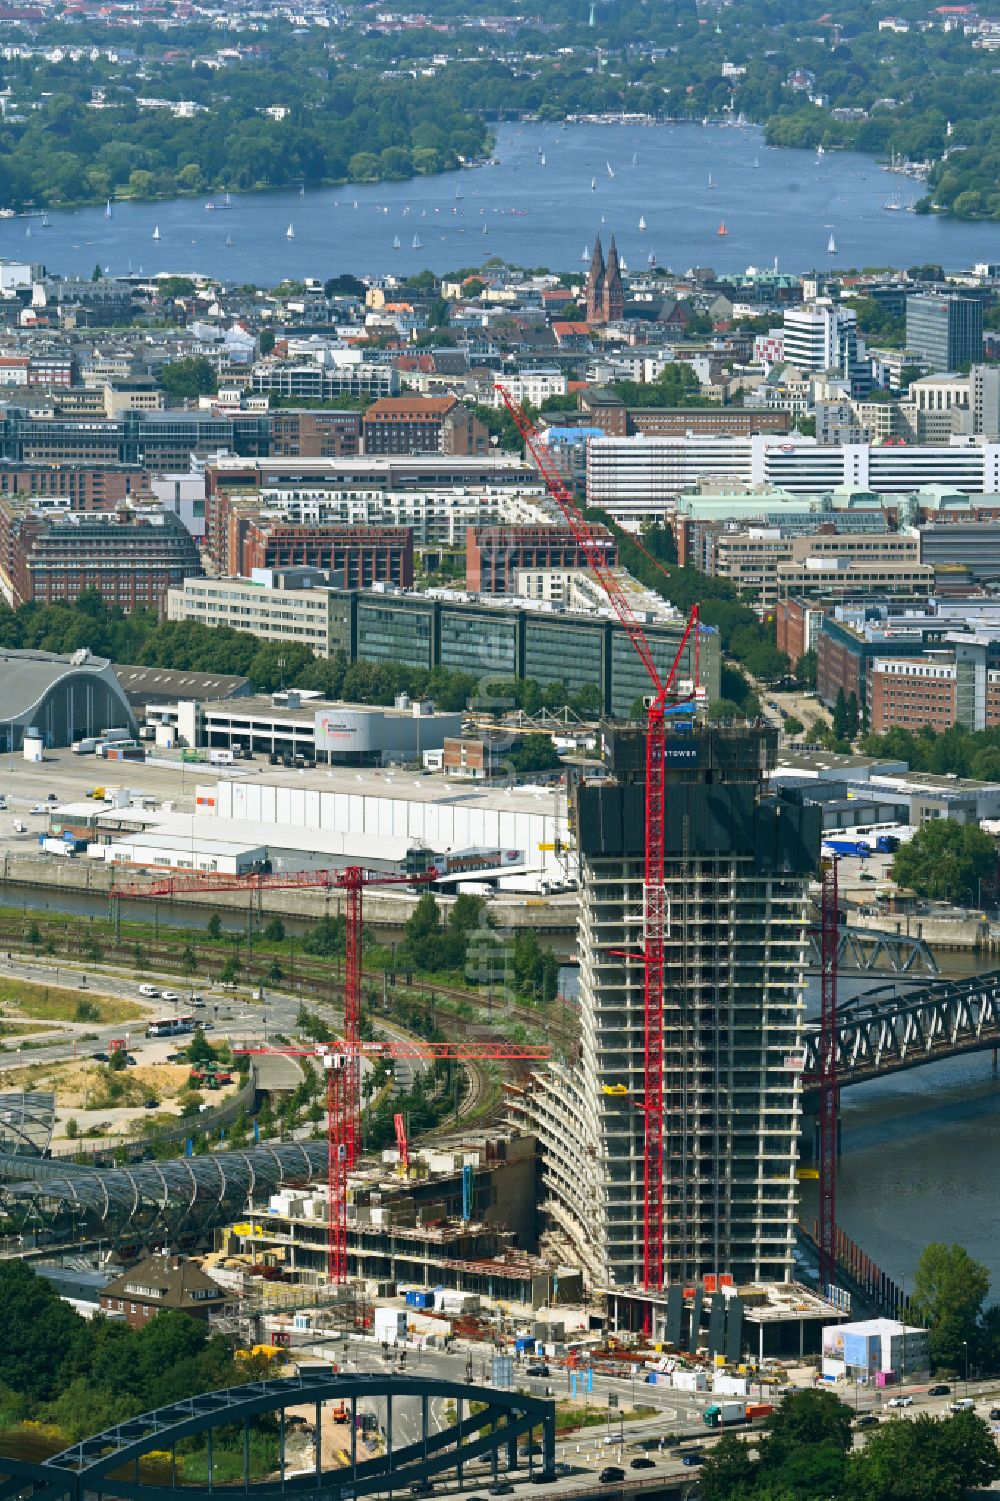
[(884, 1035), (867, 950), (489, 1425)]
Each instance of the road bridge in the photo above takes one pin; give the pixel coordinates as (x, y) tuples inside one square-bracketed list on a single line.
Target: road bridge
[(879, 1035), (488, 1423)]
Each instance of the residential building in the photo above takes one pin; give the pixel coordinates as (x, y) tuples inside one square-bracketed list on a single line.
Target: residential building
[(822, 336), (944, 331), (423, 424), (495, 554), (131, 555), (162, 1281), (737, 871), (309, 380), (291, 604), (80, 487)]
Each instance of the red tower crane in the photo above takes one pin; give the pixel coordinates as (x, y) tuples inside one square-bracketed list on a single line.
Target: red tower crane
[(337, 1060), (828, 1092), (352, 880), (654, 918), (403, 1145)]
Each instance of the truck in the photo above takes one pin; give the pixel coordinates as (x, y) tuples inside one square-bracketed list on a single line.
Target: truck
[(115, 736), (725, 1414), (756, 1411), (853, 849), (85, 747), (886, 844)]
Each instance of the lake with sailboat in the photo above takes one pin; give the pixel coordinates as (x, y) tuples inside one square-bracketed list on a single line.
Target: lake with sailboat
[(675, 196)]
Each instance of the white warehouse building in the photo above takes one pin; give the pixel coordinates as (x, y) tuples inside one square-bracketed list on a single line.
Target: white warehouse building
[(379, 806)]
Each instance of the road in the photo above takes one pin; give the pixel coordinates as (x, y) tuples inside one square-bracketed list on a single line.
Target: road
[(581, 1455)]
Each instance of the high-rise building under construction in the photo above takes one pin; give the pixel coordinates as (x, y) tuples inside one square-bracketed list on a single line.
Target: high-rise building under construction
[(738, 861)]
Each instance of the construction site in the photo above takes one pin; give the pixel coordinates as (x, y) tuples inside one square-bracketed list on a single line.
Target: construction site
[(646, 1174)]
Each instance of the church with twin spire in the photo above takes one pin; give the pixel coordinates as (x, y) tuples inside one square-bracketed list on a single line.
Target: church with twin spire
[(605, 293)]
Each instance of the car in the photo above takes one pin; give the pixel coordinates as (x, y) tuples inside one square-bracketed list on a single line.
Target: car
[(150, 1104), (643, 1463), (101, 1057), (130, 1060), (51, 797), (151, 992), (866, 1420), (38, 808), (196, 1000), (690, 1460), (538, 1370), (169, 995), (995, 1414), (941, 1390), (964, 1404), (900, 1402), (864, 876), (542, 1477), (502, 1488), (610, 1473), (421, 1488)]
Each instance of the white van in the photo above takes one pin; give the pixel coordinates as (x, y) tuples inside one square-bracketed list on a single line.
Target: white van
[(150, 991)]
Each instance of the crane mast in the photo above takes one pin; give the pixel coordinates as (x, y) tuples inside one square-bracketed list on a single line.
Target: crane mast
[(654, 892)]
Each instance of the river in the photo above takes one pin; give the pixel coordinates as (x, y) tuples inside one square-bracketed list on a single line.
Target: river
[(685, 181)]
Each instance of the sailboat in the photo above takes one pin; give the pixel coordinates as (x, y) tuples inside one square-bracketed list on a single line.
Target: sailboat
[(541, 160), (642, 224), (611, 170), (156, 231), (107, 210), (229, 242), (458, 194), (27, 233), (711, 184), (397, 243), (831, 245), (417, 244), (722, 230), (302, 190), (586, 253), (635, 158), (45, 221), (593, 184), (651, 261), (290, 232), (756, 161), (820, 152)]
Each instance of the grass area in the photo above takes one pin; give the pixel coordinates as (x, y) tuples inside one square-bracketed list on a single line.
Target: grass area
[(22, 998), (19, 1029), (82, 1084)]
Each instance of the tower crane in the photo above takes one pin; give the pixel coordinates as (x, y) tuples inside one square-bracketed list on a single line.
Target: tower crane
[(655, 900), (352, 880)]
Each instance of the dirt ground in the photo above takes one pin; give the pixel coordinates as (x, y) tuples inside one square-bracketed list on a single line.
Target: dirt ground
[(336, 1438)]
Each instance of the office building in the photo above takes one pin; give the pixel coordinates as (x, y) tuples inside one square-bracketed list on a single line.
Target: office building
[(131, 555), (738, 866), (986, 402), (79, 487), (315, 435), (358, 556), (770, 564), (576, 641), (423, 424), (309, 380), (639, 479), (944, 331), (823, 337), (494, 554), (153, 440)]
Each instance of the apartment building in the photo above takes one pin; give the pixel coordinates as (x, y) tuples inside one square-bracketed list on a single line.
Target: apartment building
[(315, 435), (738, 865), (358, 556), (770, 564)]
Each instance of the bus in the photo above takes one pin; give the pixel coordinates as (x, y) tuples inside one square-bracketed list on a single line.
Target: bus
[(170, 1026)]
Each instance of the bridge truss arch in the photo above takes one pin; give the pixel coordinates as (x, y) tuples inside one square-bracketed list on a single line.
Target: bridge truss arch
[(488, 1423)]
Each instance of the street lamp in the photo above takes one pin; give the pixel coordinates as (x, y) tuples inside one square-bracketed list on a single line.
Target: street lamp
[(965, 1346)]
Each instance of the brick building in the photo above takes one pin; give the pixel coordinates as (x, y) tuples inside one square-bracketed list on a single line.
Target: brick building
[(162, 1281), (131, 555), (493, 554), (607, 410), (796, 623), (911, 694), (605, 292), (423, 424), (315, 435), (84, 487), (356, 556)]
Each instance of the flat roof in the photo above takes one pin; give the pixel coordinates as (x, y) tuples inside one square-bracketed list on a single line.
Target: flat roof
[(201, 830), (372, 782)]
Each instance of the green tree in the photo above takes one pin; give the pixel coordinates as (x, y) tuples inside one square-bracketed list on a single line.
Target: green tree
[(327, 938), (946, 861), (189, 378), (230, 970), (214, 927), (34, 935), (728, 1471), (274, 930), (199, 1049), (535, 753), (266, 340), (793, 726), (805, 670), (805, 1419), (949, 1291), (925, 1459)]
